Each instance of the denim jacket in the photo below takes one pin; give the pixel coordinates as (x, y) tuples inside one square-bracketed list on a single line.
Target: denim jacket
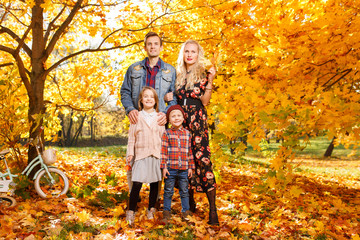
[(135, 80)]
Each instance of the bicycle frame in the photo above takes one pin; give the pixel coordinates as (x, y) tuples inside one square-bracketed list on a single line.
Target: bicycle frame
[(45, 183), (4, 183), (36, 161)]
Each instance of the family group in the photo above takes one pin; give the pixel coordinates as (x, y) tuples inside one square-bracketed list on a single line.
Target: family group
[(168, 135)]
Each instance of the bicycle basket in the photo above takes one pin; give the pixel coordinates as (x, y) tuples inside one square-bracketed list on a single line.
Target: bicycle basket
[(49, 156)]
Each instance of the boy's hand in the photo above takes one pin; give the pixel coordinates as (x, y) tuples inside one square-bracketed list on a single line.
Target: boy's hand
[(165, 173), (190, 173)]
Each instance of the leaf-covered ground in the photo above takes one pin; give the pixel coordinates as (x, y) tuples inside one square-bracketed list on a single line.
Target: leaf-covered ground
[(313, 207)]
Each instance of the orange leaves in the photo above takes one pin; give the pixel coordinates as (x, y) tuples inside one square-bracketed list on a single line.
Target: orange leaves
[(310, 206)]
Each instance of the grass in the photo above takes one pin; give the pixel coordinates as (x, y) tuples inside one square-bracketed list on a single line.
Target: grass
[(342, 162), (115, 150), (315, 149)]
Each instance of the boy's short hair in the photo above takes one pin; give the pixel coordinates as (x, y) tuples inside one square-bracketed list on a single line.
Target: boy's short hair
[(172, 108), (152, 34)]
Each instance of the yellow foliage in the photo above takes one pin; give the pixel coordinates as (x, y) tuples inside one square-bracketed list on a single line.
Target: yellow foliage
[(83, 216)]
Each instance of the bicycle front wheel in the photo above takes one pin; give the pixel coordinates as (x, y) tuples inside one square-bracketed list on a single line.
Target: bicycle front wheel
[(6, 201), (50, 189)]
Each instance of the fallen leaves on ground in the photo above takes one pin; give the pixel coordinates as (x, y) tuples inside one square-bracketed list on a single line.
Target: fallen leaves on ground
[(313, 206)]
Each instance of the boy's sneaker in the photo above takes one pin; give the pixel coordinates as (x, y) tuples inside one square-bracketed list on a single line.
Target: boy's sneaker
[(130, 217), (150, 213), (166, 217)]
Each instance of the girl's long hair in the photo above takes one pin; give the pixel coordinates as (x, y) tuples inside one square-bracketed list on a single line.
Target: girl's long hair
[(141, 105), (197, 70)]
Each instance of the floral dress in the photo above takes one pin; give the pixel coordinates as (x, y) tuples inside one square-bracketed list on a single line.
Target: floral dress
[(196, 122)]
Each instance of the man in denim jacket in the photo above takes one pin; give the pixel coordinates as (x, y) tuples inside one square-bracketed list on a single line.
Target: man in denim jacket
[(151, 71), (154, 72)]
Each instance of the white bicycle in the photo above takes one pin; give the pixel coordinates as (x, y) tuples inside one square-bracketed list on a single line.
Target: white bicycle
[(49, 181)]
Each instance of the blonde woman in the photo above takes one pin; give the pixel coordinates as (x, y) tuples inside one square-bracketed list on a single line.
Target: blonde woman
[(193, 88)]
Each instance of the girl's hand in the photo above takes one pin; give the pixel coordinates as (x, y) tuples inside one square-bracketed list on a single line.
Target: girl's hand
[(169, 97), (211, 75), (165, 173), (190, 173), (129, 159)]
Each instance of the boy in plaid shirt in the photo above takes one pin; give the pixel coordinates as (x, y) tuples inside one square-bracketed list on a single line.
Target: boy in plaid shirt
[(177, 161)]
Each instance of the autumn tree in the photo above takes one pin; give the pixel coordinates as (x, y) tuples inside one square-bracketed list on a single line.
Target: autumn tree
[(290, 67), (287, 67)]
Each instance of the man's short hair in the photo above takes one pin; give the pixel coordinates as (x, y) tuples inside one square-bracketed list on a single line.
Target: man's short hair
[(152, 34)]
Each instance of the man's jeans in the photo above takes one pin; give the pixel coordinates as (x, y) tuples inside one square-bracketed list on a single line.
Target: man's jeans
[(182, 176)]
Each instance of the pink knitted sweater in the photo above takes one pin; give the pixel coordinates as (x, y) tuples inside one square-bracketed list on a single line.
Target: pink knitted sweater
[(144, 140)]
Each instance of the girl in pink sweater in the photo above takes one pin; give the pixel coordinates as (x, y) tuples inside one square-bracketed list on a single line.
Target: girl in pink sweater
[(143, 152)]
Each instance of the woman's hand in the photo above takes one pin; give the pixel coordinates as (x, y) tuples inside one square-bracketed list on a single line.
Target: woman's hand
[(169, 97), (211, 76)]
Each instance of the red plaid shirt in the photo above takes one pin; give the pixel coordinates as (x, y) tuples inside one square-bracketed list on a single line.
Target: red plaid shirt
[(176, 149), (151, 72)]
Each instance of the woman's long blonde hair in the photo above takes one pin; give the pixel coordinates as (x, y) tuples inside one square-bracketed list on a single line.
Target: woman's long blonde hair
[(197, 70)]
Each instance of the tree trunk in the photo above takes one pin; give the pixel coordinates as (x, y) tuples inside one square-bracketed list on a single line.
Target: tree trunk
[(68, 132), (330, 148), (92, 128), (76, 136), (37, 80)]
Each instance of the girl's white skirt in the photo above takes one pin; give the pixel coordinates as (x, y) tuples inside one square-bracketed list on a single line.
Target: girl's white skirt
[(146, 170)]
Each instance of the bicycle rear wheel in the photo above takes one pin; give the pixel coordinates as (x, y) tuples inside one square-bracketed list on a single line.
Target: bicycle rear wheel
[(47, 189), (6, 201)]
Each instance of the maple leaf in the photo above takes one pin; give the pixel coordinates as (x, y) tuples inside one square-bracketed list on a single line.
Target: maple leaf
[(83, 216), (295, 191)]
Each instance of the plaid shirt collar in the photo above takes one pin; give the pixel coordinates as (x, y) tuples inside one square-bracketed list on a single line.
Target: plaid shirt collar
[(181, 128), (147, 63)]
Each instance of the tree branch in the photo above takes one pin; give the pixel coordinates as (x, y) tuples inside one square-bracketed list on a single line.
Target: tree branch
[(7, 49), (62, 28), (51, 24), (6, 64), (22, 40), (85, 51), (346, 72), (24, 73), (68, 105), (17, 38)]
